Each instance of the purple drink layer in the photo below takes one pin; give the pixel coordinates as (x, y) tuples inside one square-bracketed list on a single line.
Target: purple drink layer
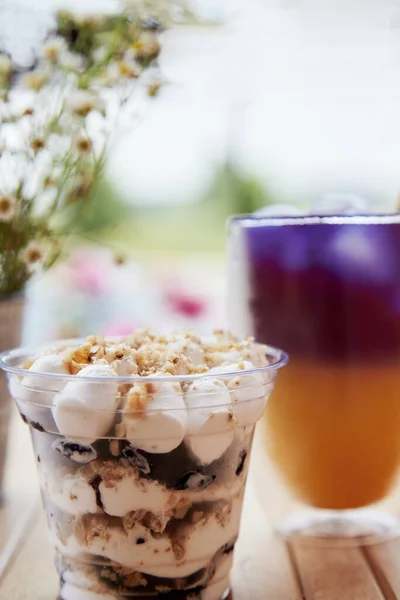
[(326, 288)]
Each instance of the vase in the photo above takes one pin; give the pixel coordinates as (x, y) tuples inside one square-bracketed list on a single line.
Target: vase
[(11, 313)]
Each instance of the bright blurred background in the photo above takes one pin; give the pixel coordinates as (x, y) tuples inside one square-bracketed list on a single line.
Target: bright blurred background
[(277, 101)]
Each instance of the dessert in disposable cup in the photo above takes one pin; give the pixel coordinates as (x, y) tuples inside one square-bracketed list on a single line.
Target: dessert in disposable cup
[(143, 448)]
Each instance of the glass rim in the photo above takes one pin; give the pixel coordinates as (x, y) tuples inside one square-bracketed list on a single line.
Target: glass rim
[(281, 358), (254, 220)]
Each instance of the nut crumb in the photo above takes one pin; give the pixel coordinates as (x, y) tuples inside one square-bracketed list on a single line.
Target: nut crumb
[(178, 550), (114, 447), (137, 400)]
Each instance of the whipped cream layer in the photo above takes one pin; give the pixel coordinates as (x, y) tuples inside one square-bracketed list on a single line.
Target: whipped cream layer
[(201, 410), (83, 410), (125, 492), (131, 545)]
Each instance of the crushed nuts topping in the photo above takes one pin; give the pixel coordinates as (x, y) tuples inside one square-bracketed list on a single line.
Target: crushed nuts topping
[(145, 354)]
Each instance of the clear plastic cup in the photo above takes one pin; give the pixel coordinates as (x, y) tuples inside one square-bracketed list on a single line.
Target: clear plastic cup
[(143, 506)]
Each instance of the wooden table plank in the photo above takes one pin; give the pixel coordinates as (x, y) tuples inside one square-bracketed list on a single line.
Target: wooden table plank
[(32, 575), (13, 526), (21, 491), (20, 473), (334, 573), (384, 560), (262, 568)]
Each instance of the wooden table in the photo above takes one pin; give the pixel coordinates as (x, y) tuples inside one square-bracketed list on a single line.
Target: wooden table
[(265, 568)]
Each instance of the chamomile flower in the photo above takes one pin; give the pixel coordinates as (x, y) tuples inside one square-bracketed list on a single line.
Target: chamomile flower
[(37, 143), (54, 47), (83, 146), (128, 69), (35, 80), (82, 102), (34, 254), (147, 47), (71, 61), (8, 207)]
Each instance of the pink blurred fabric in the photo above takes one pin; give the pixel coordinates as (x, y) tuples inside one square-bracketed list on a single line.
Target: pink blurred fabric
[(91, 273), (184, 302), (119, 328)]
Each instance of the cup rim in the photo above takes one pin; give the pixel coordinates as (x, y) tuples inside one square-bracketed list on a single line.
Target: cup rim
[(253, 220), (281, 358)]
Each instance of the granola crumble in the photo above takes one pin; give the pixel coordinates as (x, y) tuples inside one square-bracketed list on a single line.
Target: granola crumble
[(144, 354)]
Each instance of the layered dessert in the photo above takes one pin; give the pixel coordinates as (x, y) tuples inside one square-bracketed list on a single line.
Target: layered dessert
[(143, 448), (327, 289)]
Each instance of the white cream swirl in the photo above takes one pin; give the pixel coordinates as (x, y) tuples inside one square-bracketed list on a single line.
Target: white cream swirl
[(211, 424), (161, 426), (85, 410)]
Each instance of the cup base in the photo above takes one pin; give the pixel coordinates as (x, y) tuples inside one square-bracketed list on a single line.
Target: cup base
[(215, 591), (350, 527)]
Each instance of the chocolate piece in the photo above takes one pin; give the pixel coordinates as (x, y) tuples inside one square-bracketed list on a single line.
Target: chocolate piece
[(242, 457), (33, 424), (95, 483), (103, 449), (137, 459), (195, 480), (76, 452)]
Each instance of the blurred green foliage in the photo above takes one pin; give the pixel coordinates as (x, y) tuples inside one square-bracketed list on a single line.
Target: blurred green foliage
[(195, 227), (234, 192), (103, 210)]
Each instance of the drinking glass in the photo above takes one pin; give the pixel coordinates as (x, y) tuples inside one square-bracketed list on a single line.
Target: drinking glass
[(327, 289)]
